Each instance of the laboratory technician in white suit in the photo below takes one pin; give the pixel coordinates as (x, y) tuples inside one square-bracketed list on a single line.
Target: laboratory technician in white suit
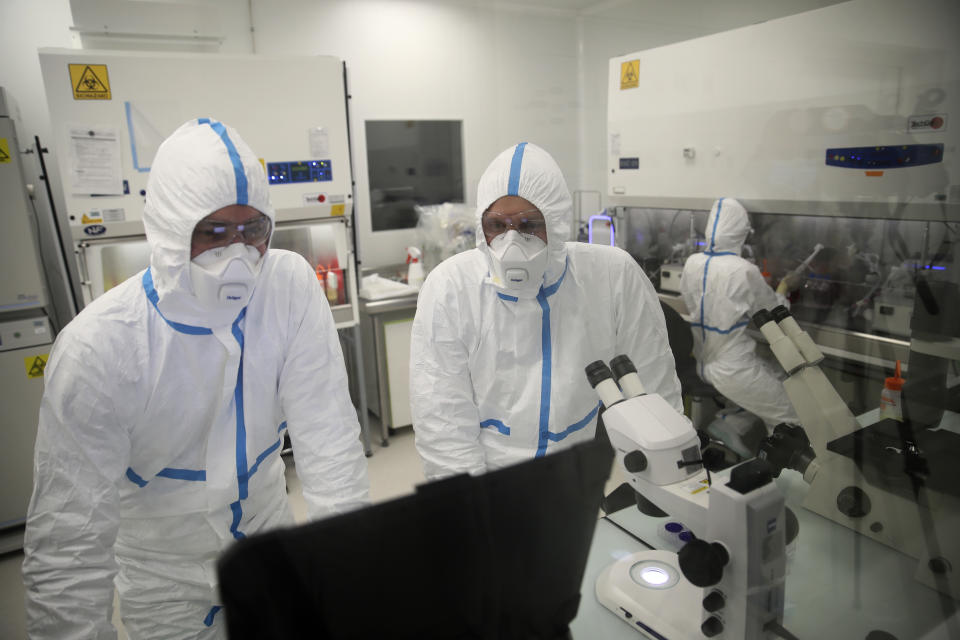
[(503, 332), (722, 291), (165, 405)]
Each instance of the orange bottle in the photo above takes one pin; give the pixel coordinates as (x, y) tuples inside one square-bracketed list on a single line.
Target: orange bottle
[(890, 400)]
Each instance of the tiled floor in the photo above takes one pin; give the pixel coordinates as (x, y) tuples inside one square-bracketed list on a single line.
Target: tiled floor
[(394, 471)]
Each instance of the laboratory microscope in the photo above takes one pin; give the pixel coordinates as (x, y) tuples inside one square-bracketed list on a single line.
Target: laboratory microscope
[(728, 581), (886, 481)]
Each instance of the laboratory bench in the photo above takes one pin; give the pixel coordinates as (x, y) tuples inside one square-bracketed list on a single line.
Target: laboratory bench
[(839, 584)]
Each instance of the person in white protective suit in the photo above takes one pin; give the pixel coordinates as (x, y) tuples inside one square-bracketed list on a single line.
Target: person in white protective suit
[(722, 291), (503, 332), (165, 405)]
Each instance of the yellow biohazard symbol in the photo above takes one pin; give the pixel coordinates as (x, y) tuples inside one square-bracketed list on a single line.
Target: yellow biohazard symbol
[(89, 81), (4, 150), (35, 365), (629, 74)]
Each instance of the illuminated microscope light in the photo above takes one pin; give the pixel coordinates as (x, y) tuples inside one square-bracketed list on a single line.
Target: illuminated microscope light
[(654, 575)]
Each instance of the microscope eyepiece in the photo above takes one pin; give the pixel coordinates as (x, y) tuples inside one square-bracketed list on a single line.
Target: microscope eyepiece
[(597, 372), (780, 313), (622, 365), (762, 317)]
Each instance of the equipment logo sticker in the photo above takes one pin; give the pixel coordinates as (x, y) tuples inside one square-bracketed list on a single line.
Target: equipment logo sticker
[(928, 123), (95, 230), (35, 365), (629, 74), (89, 81), (4, 151)]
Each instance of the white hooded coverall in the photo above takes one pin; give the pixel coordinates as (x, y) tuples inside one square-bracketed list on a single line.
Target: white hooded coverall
[(161, 426), (722, 291), (496, 375)]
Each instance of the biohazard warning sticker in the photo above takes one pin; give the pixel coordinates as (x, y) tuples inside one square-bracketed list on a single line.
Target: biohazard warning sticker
[(4, 151), (629, 74), (35, 365), (89, 81)]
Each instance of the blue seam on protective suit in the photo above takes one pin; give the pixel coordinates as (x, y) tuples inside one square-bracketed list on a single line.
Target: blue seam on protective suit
[(576, 426), (133, 141), (706, 266), (208, 621), (154, 297), (263, 456), (513, 185), (545, 367), (504, 296), (241, 445), (203, 120), (545, 373), (719, 253), (238, 171), (707, 327), (283, 425), (193, 475), (135, 479), (493, 422)]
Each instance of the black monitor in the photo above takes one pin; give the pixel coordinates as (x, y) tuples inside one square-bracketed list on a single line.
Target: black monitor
[(500, 555)]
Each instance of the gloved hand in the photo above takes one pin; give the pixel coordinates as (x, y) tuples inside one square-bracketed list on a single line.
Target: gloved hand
[(790, 282)]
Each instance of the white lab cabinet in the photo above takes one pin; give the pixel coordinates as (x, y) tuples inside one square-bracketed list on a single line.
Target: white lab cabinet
[(385, 327)]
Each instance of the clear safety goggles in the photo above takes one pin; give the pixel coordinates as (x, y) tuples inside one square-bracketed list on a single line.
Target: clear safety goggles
[(525, 222), (210, 234)]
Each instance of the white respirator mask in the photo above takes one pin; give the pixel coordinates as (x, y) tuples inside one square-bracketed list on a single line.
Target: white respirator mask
[(519, 261), (223, 277)]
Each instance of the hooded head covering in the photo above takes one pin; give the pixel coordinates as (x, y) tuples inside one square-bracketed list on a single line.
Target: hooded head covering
[(528, 171), (727, 227), (202, 167)]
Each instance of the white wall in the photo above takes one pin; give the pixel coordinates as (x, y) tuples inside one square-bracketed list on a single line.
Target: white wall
[(508, 75), (24, 27)]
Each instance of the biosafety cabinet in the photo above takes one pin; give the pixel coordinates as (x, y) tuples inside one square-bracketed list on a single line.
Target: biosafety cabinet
[(110, 110), (851, 110), (836, 128)]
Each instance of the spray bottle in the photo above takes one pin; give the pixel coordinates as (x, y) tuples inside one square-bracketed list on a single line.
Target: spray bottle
[(890, 401), (414, 267)]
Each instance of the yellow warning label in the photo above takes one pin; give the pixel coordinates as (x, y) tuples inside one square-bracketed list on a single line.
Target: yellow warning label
[(337, 209), (89, 81), (4, 150), (35, 365), (91, 219), (629, 74)]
